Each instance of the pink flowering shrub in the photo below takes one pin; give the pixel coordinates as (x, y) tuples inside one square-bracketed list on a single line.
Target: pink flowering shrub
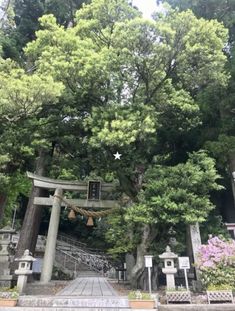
[(217, 263)]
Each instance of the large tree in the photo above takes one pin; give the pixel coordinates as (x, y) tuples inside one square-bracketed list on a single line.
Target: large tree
[(31, 139), (24, 96), (132, 85)]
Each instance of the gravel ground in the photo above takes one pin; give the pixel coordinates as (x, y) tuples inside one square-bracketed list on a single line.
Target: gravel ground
[(121, 288)]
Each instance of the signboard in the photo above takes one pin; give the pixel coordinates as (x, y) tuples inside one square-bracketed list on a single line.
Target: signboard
[(37, 265), (148, 261), (184, 263), (94, 190)]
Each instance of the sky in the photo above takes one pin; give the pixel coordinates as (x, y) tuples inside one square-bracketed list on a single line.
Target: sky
[(146, 6)]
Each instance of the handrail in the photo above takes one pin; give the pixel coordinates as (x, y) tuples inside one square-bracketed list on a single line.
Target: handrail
[(80, 259)]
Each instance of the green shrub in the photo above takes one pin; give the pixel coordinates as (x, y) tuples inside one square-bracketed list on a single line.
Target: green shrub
[(219, 287), (9, 293), (178, 289), (137, 295)]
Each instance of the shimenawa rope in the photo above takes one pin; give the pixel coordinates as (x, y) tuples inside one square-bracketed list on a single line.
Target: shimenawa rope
[(85, 212)]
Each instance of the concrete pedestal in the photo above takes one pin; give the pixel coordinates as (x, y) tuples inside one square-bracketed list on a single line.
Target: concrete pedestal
[(21, 283), (170, 277)]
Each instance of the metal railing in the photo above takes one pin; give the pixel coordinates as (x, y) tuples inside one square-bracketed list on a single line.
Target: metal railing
[(71, 261), (70, 256)]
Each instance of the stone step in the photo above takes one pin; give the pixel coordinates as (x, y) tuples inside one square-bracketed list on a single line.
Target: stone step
[(68, 309), (87, 274), (73, 302), (188, 307), (213, 307), (197, 307)]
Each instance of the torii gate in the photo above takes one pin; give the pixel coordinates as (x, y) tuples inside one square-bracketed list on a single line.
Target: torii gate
[(94, 190)]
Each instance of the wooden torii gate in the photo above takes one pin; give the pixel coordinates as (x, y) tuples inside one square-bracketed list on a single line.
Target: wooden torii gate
[(94, 190)]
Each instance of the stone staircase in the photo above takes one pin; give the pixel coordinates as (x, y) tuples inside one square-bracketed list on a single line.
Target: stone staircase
[(76, 259)]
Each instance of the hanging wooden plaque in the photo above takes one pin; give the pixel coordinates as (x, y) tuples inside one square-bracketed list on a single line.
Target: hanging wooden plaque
[(94, 190)]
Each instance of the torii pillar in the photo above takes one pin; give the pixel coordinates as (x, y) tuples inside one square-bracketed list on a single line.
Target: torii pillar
[(50, 250)]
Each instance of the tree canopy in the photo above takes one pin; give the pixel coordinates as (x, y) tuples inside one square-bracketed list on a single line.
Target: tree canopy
[(108, 80)]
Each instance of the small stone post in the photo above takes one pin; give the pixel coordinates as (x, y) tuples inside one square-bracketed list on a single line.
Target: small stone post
[(169, 268), (49, 256), (24, 270)]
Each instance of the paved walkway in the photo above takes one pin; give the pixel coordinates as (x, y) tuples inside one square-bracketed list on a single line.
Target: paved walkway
[(90, 286)]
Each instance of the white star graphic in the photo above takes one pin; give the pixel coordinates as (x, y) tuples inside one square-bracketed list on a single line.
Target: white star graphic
[(117, 156)]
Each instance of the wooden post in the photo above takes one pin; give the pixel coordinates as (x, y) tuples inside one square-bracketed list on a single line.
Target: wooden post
[(49, 256)]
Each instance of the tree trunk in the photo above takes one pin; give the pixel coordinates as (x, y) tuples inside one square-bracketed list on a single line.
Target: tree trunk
[(155, 277), (3, 201), (143, 281), (141, 251), (32, 219)]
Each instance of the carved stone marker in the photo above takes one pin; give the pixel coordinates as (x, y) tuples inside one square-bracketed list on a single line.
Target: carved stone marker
[(5, 256), (196, 243), (130, 262)]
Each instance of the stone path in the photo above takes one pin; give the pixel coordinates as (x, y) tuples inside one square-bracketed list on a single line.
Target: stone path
[(88, 287), (91, 292)]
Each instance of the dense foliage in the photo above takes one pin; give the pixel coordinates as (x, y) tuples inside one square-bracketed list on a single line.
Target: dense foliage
[(217, 105), (178, 193)]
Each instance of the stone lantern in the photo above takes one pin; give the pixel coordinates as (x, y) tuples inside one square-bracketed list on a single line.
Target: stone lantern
[(5, 256), (169, 267), (24, 270)]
